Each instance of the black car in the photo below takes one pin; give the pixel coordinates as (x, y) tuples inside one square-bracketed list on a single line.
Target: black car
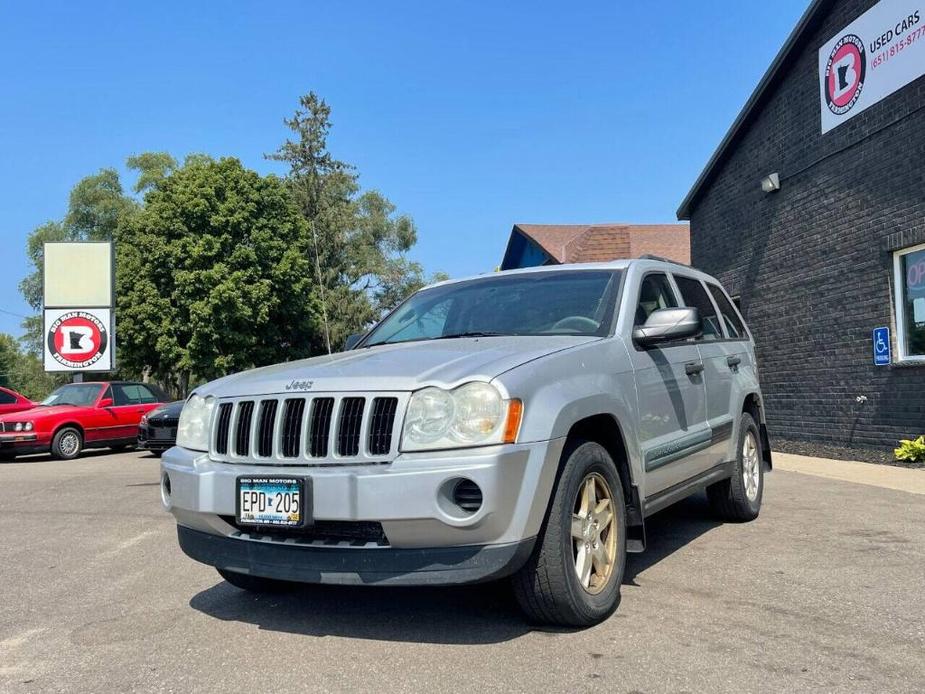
[(158, 428)]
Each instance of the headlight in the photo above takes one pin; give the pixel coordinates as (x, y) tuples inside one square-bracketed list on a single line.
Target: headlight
[(193, 428), (18, 426), (475, 414), (27, 426)]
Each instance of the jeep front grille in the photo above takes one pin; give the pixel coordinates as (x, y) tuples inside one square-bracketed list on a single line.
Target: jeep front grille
[(311, 429), (320, 427), (348, 430)]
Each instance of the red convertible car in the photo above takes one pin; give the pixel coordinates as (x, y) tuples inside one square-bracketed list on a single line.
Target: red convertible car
[(11, 401), (79, 416)]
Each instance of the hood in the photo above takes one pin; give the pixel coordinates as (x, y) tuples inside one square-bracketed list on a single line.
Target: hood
[(38, 412), (399, 367), (167, 409)]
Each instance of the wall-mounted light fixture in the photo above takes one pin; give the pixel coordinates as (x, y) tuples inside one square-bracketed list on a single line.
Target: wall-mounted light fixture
[(770, 183)]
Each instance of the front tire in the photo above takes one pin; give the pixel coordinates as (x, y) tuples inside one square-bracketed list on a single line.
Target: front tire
[(738, 498), (574, 574), (254, 584), (67, 444)]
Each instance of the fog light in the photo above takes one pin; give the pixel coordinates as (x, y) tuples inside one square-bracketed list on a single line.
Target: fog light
[(467, 495), (165, 489)]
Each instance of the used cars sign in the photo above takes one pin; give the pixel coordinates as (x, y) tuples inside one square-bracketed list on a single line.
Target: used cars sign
[(881, 51)]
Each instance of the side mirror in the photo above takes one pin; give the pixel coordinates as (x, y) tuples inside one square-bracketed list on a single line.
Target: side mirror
[(352, 340), (105, 402), (667, 324)]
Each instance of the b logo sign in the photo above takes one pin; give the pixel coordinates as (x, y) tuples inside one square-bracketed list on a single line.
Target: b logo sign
[(844, 74), (78, 339)]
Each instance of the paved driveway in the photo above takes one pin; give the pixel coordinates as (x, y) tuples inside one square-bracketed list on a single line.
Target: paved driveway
[(825, 592)]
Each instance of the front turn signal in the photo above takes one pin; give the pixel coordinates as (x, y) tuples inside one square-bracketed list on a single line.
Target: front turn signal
[(515, 412)]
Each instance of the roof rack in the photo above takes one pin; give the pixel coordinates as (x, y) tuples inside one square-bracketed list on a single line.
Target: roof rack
[(650, 256)]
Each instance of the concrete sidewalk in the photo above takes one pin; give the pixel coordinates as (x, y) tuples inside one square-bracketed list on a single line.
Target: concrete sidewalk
[(884, 476)]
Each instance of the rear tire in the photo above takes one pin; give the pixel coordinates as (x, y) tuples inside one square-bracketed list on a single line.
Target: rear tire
[(573, 576), (738, 498), (67, 444), (254, 584)]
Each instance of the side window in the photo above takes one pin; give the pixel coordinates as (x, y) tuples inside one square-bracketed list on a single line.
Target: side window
[(145, 394), (122, 395), (695, 296), (135, 393), (734, 326), (6, 398), (654, 293)]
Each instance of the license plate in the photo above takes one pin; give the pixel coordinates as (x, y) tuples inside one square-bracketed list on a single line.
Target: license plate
[(277, 501), (165, 433)]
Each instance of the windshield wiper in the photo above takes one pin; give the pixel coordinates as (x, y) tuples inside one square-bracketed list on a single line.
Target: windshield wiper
[(471, 333)]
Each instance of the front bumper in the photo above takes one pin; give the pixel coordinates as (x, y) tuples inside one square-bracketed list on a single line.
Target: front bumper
[(350, 566), (429, 540), (22, 444), (150, 441)]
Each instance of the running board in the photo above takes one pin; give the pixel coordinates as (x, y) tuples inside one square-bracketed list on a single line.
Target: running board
[(669, 496)]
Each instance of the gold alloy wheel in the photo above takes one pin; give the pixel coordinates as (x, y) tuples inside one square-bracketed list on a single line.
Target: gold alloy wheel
[(594, 533), (751, 474)]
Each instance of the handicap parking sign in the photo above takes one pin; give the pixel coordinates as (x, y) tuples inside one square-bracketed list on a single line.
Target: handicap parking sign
[(881, 346)]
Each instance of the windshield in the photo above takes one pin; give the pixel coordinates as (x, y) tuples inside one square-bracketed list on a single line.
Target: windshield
[(74, 394), (579, 302)]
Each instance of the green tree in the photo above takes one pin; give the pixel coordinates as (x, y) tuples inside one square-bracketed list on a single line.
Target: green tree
[(213, 276), (152, 168), (23, 371), (358, 244), (9, 354)]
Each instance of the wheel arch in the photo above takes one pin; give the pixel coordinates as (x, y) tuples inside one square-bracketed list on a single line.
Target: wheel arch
[(753, 405), (71, 425), (606, 430)]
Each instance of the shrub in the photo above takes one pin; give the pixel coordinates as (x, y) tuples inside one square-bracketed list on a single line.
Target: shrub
[(911, 450)]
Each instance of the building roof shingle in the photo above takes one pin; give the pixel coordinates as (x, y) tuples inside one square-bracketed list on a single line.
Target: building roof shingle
[(586, 243)]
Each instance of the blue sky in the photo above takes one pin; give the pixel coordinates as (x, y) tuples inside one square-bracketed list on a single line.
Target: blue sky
[(469, 116)]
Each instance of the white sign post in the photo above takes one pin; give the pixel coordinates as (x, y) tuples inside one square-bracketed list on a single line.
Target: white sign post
[(881, 51), (78, 297)]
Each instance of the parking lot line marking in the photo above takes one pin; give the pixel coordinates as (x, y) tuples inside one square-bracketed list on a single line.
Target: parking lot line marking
[(884, 476)]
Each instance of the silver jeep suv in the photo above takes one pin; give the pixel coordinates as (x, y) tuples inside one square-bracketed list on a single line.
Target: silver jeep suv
[(521, 424)]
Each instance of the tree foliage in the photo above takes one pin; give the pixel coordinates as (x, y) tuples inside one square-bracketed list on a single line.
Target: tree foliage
[(23, 371), (358, 243), (152, 168), (213, 276)]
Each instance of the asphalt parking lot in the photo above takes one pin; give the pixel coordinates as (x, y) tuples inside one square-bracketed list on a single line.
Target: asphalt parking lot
[(825, 592)]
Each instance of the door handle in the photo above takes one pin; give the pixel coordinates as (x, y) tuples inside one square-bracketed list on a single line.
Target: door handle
[(693, 368), (733, 361)]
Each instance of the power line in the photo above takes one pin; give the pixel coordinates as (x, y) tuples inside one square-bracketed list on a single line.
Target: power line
[(18, 315)]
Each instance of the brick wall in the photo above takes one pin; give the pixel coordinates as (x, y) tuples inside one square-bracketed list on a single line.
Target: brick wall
[(812, 262)]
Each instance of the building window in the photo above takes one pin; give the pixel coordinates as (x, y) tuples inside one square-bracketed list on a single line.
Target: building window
[(909, 268)]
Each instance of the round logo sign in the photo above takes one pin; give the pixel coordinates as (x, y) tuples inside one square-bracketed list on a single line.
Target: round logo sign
[(77, 339), (844, 74)]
